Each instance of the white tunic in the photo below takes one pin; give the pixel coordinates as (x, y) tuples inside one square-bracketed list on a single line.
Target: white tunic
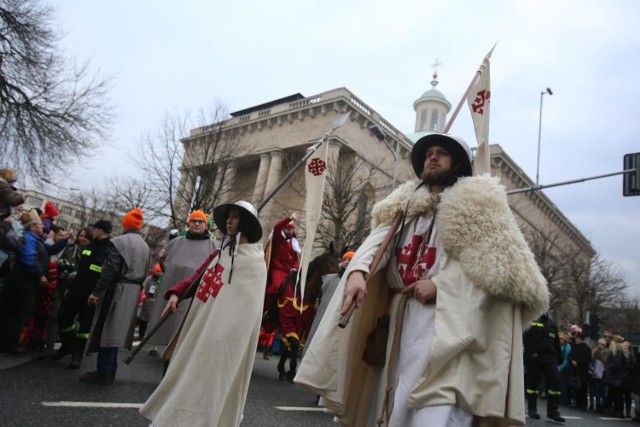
[(417, 337)]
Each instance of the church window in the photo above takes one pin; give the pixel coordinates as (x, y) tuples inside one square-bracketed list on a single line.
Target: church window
[(423, 121), (434, 120)]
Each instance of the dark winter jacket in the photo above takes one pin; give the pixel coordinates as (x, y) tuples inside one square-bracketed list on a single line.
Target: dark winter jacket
[(634, 371), (8, 198), (616, 370), (203, 236), (541, 341), (581, 354), (89, 268)]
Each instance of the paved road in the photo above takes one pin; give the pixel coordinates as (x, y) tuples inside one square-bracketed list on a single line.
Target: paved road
[(43, 393)]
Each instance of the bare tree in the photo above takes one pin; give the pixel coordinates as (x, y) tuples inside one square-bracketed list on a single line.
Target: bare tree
[(623, 318), (594, 284), (122, 196), (202, 166), (51, 110), (126, 194), (546, 247), (346, 209), (92, 206)]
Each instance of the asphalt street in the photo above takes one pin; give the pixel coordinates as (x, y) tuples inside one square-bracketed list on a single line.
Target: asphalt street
[(45, 393)]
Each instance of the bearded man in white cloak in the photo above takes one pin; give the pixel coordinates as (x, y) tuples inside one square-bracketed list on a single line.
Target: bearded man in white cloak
[(459, 283)]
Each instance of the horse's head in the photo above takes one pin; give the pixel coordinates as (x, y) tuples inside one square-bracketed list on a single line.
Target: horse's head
[(326, 263)]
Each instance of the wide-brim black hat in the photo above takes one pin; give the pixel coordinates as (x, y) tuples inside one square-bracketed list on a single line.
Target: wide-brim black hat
[(455, 146), (249, 223)]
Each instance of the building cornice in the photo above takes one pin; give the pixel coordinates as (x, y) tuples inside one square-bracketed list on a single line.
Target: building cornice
[(337, 101)]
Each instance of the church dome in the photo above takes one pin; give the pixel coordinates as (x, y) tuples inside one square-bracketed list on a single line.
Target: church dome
[(431, 109), (433, 94)]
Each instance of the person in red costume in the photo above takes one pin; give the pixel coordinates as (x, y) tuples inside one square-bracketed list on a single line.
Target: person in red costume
[(282, 255)]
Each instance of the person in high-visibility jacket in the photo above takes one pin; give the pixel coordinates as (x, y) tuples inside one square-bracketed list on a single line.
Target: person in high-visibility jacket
[(542, 356), (74, 334)]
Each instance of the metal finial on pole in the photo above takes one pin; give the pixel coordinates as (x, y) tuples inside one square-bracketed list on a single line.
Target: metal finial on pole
[(550, 92)]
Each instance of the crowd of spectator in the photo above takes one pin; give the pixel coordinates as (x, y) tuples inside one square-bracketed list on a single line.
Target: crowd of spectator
[(604, 376), (600, 375), (30, 245)]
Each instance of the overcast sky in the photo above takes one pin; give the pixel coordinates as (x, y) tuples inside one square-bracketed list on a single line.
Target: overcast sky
[(172, 56)]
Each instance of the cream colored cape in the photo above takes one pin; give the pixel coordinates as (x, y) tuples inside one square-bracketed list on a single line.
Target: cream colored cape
[(208, 377), (489, 288)]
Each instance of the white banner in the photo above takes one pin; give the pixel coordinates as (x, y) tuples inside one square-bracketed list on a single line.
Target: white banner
[(315, 174), (479, 101)]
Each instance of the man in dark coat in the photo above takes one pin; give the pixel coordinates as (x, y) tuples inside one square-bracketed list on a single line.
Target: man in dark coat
[(116, 298), (580, 359), (541, 357)]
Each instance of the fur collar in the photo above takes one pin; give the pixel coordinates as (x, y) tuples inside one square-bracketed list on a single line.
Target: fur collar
[(478, 230)]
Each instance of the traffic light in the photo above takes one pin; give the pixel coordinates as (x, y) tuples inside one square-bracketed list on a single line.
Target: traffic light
[(631, 180)]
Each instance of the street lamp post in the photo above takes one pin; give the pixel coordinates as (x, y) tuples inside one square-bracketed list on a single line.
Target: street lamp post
[(550, 92)]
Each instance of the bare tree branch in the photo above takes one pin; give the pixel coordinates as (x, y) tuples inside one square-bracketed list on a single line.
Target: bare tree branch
[(51, 109)]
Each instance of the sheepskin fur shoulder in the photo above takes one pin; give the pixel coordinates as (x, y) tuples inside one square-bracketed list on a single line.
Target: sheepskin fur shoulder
[(385, 210), (478, 229)]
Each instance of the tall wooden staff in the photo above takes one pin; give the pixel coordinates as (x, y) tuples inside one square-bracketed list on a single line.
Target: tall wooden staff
[(336, 124)]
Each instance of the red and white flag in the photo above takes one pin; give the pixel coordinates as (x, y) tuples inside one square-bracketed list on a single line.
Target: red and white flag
[(479, 99), (315, 175)]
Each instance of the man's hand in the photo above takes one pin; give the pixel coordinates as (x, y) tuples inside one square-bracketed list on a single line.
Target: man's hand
[(172, 305), (9, 219), (356, 290), (92, 301), (423, 290)]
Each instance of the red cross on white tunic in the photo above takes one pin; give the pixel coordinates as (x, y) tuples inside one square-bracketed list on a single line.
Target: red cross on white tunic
[(211, 283)]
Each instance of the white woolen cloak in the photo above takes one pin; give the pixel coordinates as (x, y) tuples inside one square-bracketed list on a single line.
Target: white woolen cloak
[(208, 377), (489, 289)]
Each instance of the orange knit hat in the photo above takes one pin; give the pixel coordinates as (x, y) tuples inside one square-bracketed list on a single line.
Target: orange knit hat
[(198, 215), (348, 255), (133, 219)]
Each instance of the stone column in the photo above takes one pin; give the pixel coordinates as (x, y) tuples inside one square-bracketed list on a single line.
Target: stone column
[(261, 179), (275, 168), (333, 155), (228, 178)]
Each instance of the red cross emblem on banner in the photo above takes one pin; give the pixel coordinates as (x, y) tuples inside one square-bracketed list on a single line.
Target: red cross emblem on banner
[(317, 166), (211, 283), (482, 97)]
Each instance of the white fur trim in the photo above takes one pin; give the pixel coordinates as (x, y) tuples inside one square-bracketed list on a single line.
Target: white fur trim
[(479, 230)]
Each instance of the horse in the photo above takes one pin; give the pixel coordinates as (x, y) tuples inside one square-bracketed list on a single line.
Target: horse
[(295, 314)]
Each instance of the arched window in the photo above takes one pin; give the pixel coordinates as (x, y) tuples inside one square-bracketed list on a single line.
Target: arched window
[(434, 120), (423, 121)]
